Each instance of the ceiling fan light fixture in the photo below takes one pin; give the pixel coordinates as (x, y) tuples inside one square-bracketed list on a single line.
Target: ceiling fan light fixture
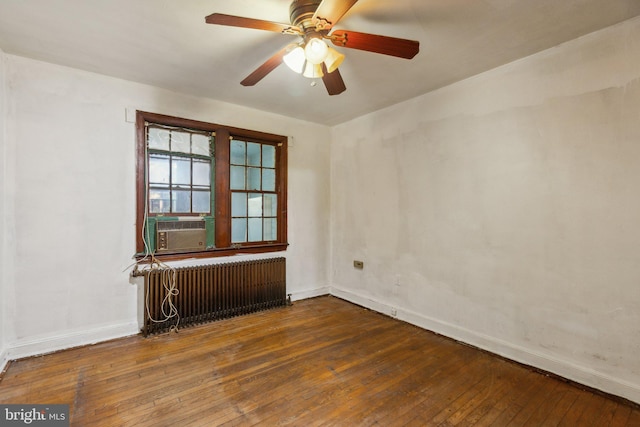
[(314, 21), (316, 50), (333, 60), (313, 71), (295, 58)]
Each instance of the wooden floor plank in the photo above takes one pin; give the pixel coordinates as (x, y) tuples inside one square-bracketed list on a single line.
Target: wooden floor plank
[(498, 399), (621, 417), (576, 410), (541, 399), (321, 362), (508, 409), (606, 414)]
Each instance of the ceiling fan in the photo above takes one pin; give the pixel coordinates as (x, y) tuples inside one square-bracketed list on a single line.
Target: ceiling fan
[(313, 21)]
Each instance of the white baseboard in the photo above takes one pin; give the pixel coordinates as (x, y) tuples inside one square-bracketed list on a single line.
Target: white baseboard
[(48, 344), (4, 360), (564, 368), (312, 293)]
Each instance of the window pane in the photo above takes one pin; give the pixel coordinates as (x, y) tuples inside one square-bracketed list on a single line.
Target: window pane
[(238, 152), (238, 204), (270, 229), (270, 205), (268, 156), (181, 171), (237, 177), (158, 139), (268, 180), (201, 173), (253, 178), (158, 169), (181, 201), (255, 204), (158, 201), (201, 201), (200, 144), (255, 230), (253, 154), (238, 230), (180, 142)]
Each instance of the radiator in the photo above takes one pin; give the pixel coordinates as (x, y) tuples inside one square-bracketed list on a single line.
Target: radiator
[(211, 292)]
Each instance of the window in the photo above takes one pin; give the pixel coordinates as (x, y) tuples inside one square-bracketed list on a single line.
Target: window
[(205, 189), (254, 201)]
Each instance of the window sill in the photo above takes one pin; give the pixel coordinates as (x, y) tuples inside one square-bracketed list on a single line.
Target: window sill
[(216, 252)]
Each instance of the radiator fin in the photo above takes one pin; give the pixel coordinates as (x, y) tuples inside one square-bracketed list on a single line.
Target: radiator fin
[(212, 292)]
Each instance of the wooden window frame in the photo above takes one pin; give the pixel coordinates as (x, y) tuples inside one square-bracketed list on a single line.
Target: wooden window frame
[(222, 191)]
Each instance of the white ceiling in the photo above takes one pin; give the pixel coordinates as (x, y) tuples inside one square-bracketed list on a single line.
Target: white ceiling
[(166, 43)]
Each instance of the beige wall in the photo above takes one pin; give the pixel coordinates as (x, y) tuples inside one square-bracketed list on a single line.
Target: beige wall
[(3, 227), (71, 185), (504, 210)]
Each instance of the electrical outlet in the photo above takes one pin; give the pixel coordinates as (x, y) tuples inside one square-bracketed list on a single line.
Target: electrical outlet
[(358, 264), (394, 312)]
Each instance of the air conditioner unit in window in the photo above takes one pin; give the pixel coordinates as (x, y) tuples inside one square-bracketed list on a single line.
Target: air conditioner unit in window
[(180, 236)]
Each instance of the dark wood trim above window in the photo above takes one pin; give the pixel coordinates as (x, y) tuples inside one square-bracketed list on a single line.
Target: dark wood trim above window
[(219, 222)]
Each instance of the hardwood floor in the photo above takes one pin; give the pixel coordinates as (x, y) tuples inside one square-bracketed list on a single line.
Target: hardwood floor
[(322, 361)]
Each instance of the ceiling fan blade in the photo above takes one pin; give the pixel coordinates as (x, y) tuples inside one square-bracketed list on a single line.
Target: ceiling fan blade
[(332, 10), (401, 48), (333, 81), (258, 24), (264, 69)]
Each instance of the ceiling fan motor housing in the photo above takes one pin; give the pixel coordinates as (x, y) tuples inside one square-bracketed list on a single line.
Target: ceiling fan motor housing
[(301, 12)]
